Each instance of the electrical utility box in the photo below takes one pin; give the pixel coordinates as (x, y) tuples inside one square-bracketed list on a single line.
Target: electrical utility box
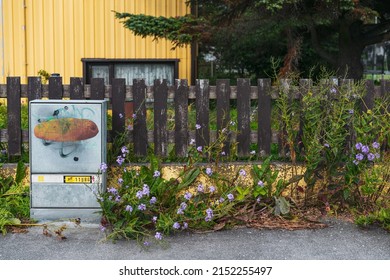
[(68, 140)]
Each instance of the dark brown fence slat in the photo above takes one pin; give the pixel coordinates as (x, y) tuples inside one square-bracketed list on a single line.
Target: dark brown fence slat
[(76, 88), (34, 88), (305, 86), (223, 111), (368, 99), (264, 138), (202, 134), (181, 117), (243, 116), (97, 89), (118, 106), (55, 88), (346, 85), (14, 117), (160, 118), (140, 136), (385, 91)]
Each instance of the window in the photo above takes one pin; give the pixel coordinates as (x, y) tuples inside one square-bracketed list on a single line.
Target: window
[(129, 69)]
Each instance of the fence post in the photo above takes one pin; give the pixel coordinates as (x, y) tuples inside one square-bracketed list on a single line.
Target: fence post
[(368, 98), (264, 137), (76, 88), (140, 133), (97, 89), (243, 116), (118, 106), (34, 88), (223, 111), (305, 86), (181, 117), (160, 117), (14, 117), (55, 88), (202, 93)]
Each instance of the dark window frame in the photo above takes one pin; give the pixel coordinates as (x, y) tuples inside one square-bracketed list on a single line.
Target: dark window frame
[(89, 62)]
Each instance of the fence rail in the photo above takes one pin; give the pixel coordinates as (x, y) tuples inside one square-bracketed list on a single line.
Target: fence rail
[(160, 95)]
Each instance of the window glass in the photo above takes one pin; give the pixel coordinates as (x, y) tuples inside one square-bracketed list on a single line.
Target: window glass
[(147, 71), (101, 71)]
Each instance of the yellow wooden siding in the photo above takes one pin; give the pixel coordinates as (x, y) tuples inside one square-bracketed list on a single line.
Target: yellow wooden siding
[(55, 35)]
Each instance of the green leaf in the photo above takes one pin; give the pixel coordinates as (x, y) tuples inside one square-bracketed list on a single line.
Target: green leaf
[(259, 191), (282, 206), (190, 177), (20, 172), (242, 193)]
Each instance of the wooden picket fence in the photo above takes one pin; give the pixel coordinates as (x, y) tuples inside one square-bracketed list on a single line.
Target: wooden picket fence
[(161, 94)]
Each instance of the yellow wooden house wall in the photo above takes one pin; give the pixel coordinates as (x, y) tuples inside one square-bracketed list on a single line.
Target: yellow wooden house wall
[(54, 35)]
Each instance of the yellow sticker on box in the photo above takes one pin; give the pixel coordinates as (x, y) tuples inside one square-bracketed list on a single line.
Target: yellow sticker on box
[(77, 179)]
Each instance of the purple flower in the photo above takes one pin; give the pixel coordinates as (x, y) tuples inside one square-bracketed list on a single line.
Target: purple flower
[(370, 156), (359, 157), (208, 218), (139, 194), (156, 174), (146, 243), (120, 115), (212, 189), (158, 236), (180, 211), (198, 126), (258, 199), (260, 183), (142, 207), (145, 190), (377, 155), (117, 199), (183, 206), (120, 160), (365, 149), (242, 172), (113, 190), (134, 116), (209, 215), (200, 188), (154, 219), (102, 228), (326, 145), (351, 111), (199, 149), (103, 167), (176, 225), (120, 181), (221, 200), (333, 90), (129, 208), (153, 200), (185, 225), (375, 145), (230, 197), (223, 153), (358, 146), (192, 142), (209, 171), (124, 150), (187, 195), (356, 162)]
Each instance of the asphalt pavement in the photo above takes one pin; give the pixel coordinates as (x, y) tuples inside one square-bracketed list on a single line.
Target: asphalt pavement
[(339, 241)]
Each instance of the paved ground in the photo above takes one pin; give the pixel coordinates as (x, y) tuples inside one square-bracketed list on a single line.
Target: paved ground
[(341, 240)]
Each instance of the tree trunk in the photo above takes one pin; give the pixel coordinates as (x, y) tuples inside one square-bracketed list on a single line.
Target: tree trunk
[(350, 51)]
